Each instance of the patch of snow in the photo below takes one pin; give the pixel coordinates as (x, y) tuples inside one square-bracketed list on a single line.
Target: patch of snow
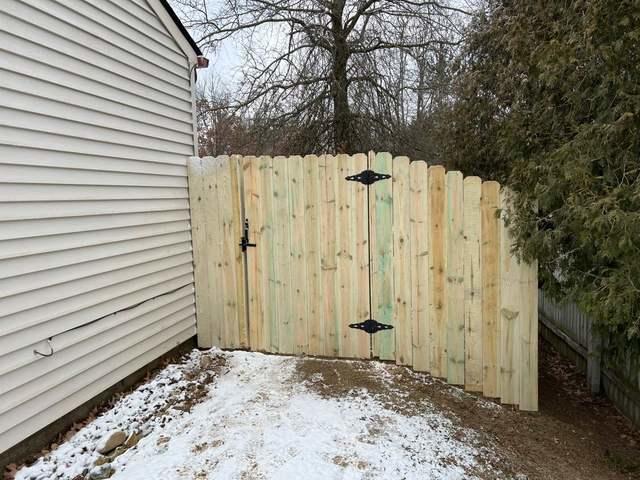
[(258, 422), (132, 412), (488, 404)]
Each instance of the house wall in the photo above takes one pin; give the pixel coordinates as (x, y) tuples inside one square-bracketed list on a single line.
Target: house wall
[(96, 125)]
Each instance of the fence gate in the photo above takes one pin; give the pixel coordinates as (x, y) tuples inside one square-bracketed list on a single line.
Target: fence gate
[(364, 256)]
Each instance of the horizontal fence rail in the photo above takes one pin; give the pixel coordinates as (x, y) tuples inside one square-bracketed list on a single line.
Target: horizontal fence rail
[(424, 251)]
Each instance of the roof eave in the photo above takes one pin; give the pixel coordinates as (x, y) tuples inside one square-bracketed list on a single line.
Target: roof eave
[(181, 27)]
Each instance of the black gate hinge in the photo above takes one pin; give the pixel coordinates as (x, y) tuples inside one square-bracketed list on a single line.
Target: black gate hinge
[(244, 240), (371, 326), (368, 177)]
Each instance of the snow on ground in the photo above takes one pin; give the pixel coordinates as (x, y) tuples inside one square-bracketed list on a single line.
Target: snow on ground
[(257, 421)]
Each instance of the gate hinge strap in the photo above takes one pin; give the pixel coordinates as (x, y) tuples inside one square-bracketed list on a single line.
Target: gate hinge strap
[(368, 177), (371, 326)]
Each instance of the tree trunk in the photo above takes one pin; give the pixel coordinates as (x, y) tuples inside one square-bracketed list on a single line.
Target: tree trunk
[(342, 128)]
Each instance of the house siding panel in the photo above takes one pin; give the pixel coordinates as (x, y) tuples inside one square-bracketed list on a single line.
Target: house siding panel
[(96, 125)]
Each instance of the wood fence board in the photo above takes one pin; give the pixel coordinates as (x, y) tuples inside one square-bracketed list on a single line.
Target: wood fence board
[(437, 272), (204, 323), (490, 253), (213, 170), (281, 245), (509, 344), (455, 279), (347, 273), (254, 256), (381, 222), (371, 161), (360, 244), (329, 252), (270, 341), (315, 317), (230, 334), (221, 179), (529, 337), (241, 328), (472, 285), (420, 264), (402, 260), (298, 271)]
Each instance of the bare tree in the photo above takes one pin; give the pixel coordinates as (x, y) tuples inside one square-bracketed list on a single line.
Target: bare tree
[(223, 130), (332, 66), (216, 124)]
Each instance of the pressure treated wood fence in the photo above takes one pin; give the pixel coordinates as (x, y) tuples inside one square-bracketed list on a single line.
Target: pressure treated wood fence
[(424, 252)]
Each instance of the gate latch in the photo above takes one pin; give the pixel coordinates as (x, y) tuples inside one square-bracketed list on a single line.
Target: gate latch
[(244, 241), (371, 326), (368, 177)]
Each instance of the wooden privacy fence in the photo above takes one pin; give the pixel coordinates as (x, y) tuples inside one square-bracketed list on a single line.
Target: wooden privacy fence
[(422, 255)]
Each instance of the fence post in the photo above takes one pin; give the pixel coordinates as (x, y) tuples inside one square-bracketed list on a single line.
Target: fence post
[(594, 348)]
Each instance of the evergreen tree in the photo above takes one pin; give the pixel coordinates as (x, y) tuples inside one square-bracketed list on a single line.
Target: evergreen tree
[(548, 100)]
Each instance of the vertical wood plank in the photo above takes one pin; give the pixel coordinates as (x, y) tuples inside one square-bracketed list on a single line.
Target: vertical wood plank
[(419, 265), (455, 279), (437, 272), (490, 253), (529, 336), (381, 224), (254, 256), (509, 344), (329, 253), (346, 254), (312, 214), (213, 170), (198, 207), (241, 330), (360, 288), (281, 251), (472, 285), (298, 253), (221, 182), (594, 357), (230, 336), (402, 261), (269, 269), (371, 161)]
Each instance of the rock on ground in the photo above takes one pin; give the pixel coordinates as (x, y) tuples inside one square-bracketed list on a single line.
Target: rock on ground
[(111, 441)]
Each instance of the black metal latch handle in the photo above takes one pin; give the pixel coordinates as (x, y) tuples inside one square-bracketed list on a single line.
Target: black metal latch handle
[(244, 241)]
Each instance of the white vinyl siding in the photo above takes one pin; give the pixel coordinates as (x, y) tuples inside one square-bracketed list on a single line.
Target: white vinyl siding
[(96, 125)]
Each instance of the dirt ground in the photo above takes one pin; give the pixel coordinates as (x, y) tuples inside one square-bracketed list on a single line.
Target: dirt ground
[(573, 436)]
